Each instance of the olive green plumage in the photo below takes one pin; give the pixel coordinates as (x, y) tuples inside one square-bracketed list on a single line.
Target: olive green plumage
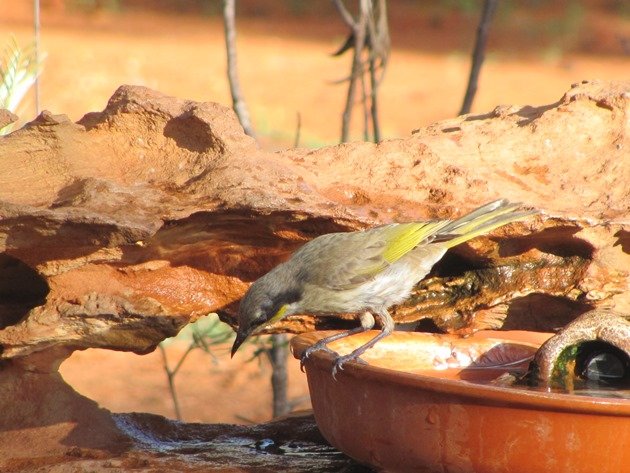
[(362, 272)]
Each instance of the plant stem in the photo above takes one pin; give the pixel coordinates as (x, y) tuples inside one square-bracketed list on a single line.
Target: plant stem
[(489, 7), (170, 375), (171, 383), (238, 104), (298, 129), (278, 355), (374, 101), (36, 28)]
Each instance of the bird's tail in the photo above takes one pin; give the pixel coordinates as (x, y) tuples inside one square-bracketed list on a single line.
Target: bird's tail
[(482, 220)]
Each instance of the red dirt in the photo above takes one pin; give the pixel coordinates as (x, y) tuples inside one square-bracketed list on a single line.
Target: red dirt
[(286, 68), (212, 391)]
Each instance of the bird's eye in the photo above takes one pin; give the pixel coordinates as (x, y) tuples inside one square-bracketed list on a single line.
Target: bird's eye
[(265, 312), (261, 316)]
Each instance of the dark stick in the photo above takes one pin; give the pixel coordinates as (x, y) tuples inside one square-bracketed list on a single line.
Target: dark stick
[(298, 128), (278, 355), (356, 72), (358, 35), (366, 109), (170, 374), (380, 44), (345, 14), (36, 30), (238, 104), (374, 102), (489, 7)]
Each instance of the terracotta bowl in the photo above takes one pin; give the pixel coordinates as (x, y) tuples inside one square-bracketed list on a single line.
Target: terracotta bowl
[(426, 403)]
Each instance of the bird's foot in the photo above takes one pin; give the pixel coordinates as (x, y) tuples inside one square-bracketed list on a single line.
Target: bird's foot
[(312, 349), (341, 360)]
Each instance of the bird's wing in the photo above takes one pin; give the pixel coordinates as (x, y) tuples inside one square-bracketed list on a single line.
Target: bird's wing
[(342, 261)]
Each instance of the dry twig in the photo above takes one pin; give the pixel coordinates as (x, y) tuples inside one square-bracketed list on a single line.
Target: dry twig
[(489, 7), (369, 34)]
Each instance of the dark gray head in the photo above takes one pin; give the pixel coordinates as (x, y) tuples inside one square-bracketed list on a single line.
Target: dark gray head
[(269, 299)]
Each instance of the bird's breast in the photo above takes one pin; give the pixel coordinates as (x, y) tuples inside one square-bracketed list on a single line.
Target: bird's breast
[(390, 287)]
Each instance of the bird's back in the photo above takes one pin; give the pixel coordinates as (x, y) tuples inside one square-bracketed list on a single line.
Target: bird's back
[(348, 272), (381, 265)]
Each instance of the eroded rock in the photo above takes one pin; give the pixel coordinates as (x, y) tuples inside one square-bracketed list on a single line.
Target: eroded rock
[(143, 217), (119, 229)]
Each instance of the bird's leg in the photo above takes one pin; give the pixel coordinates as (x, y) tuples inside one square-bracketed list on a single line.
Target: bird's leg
[(387, 327), (367, 322)]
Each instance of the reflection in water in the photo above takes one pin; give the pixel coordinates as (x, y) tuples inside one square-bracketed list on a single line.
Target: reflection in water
[(615, 388), (584, 388), (601, 372)]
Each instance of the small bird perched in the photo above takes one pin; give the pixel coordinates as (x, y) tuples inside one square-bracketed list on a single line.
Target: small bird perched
[(363, 272)]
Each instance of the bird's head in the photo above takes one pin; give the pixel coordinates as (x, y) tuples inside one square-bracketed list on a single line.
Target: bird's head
[(268, 300)]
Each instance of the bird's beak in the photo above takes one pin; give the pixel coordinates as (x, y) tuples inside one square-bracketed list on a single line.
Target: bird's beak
[(240, 338)]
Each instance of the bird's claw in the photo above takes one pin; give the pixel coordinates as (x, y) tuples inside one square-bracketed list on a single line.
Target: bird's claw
[(341, 360), (310, 350)]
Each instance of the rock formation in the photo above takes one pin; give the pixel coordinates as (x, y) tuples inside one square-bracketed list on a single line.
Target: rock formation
[(119, 229)]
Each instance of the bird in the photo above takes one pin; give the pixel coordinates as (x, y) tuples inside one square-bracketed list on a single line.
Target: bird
[(361, 272)]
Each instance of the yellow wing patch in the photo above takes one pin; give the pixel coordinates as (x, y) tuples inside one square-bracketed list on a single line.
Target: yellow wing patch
[(405, 237)]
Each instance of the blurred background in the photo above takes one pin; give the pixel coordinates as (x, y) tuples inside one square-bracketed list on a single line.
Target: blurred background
[(290, 80), (536, 49)]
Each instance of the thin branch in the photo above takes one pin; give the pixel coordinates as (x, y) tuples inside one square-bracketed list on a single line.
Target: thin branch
[(278, 354), (345, 14), (359, 34), (170, 374), (374, 102), (238, 104), (378, 34), (298, 130), (369, 32), (190, 348), (489, 7), (366, 109), (171, 383), (36, 29)]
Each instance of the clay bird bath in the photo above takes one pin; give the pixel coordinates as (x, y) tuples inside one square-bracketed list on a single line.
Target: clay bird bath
[(426, 402)]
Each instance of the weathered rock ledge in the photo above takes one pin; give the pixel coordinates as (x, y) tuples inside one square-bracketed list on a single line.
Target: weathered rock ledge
[(119, 229)]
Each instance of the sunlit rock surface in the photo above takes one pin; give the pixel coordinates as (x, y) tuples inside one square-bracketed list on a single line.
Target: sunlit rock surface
[(119, 229)]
